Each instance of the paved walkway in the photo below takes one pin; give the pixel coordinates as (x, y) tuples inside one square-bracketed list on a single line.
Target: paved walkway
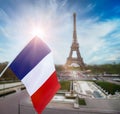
[(10, 104), (19, 103), (88, 88)]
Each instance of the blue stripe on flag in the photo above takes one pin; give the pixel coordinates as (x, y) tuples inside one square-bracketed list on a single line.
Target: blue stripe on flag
[(29, 57)]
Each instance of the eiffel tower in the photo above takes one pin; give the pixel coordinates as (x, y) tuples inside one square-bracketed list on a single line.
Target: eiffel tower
[(75, 48)]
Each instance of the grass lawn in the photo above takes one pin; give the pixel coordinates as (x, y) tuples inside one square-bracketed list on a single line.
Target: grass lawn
[(81, 101), (109, 87), (65, 85)]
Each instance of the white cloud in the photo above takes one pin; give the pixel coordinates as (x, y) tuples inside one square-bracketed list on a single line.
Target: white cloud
[(57, 26), (18, 28), (86, 9), (92, 37), (90, 6), (3, 15)]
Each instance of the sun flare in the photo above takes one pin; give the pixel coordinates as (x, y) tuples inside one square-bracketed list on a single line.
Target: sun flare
[(38, 32)]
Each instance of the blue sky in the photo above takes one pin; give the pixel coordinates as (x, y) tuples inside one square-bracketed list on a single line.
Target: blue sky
[(98, 28)]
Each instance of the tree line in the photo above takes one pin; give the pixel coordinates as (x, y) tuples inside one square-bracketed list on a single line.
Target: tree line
[(95, 69), (8, 75)]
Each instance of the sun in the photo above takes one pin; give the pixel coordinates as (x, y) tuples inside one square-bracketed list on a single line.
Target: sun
[(36, 31)]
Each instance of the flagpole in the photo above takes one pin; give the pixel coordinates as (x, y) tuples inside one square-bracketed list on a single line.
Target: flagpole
[(4, 70), (10, 63)]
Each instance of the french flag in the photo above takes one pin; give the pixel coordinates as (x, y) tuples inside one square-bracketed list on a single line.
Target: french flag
[(34, 66)]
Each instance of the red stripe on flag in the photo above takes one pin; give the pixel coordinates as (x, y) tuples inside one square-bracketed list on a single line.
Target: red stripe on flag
[(45, 93)]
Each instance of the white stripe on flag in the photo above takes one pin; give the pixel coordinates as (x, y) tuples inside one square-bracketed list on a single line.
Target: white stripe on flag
[(38, 75)]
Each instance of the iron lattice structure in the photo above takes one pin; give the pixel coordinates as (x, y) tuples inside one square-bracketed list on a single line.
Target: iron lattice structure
[(75, 48)]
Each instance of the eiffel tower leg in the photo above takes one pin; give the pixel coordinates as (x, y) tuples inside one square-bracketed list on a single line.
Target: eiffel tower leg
[(70, 55), (78, 54)]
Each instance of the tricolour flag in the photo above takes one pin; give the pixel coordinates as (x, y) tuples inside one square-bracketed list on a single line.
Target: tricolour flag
[(34, 66)]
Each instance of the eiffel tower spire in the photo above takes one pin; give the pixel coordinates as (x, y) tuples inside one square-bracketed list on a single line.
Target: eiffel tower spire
[(75, 48), (74, 25)]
